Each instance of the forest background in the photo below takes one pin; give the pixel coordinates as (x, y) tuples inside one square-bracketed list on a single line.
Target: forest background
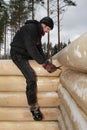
[(14, 13)]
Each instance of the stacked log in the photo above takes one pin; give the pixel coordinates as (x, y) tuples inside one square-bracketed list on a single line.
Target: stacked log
[(14, 109), (73, 88)]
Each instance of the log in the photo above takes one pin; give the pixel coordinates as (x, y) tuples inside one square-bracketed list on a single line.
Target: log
[(18, 99), (76, 84), (67, 121), (29, 125), (24, 114), (78, 117), (7, 67), (61, 122), (18, 83), (74, 56)]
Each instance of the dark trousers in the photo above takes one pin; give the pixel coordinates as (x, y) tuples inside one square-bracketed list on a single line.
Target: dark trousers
[(29, 74)]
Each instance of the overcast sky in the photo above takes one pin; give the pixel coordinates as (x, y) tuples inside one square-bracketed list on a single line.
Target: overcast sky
[(74, 22)]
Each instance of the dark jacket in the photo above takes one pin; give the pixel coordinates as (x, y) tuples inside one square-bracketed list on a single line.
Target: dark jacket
[(27, 41)]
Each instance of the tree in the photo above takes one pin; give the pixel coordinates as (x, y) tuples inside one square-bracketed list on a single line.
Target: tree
[(61, 8), (56, 9), (2, 8), (18, 12), (3, 23), (44, 46), (55, 49), (33, 9)]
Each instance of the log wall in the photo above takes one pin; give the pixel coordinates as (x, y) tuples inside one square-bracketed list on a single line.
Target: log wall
[(62, 95), (73, 89), (14, 109)]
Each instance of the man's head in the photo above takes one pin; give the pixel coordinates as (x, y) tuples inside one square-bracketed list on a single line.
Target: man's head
[(47, 24)]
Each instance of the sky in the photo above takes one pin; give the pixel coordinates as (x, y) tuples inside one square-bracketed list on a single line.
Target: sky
[(74, 22)]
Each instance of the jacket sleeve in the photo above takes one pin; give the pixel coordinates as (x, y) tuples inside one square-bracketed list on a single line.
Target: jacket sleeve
[(31, 46), (41, 50)]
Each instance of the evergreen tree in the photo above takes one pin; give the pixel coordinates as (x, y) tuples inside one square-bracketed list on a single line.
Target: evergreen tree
[(69, 41), (3, 18), (3, 23), (57, 8), (19, 10), (55, 49)]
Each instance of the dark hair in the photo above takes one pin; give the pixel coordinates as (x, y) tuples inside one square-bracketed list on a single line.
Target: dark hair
[(47, 21)]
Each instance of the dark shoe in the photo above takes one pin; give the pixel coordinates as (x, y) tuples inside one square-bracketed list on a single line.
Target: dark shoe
[(37, 115)]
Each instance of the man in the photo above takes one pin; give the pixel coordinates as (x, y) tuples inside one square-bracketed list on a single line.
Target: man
[(26, 45)]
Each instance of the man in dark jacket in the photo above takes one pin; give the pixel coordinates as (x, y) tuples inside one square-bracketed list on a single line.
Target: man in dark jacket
[(26, 45)]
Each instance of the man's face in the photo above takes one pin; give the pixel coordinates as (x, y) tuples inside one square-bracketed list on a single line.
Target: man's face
[(46, 28)]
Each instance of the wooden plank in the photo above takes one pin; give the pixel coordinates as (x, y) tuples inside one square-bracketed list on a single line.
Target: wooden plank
[(29, 125), (48, 99), (18, 83), (24, 114), (7, 67)]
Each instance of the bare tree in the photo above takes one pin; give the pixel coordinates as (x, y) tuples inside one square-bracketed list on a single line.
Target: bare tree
[(57, 9), (33, 9)]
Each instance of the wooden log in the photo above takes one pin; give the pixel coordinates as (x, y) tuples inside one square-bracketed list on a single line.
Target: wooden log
[(29, 125), (18, 83), (61, 121), (7, 67), (24, 114), (48, 84), (74, 56), (76, 84), (67, 121), (48, 99), (78, 117)]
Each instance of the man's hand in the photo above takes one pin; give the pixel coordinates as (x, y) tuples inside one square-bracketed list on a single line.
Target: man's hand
[(49, 67)]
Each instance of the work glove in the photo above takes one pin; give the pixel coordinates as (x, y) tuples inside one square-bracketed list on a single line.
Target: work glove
[(49, 67)]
